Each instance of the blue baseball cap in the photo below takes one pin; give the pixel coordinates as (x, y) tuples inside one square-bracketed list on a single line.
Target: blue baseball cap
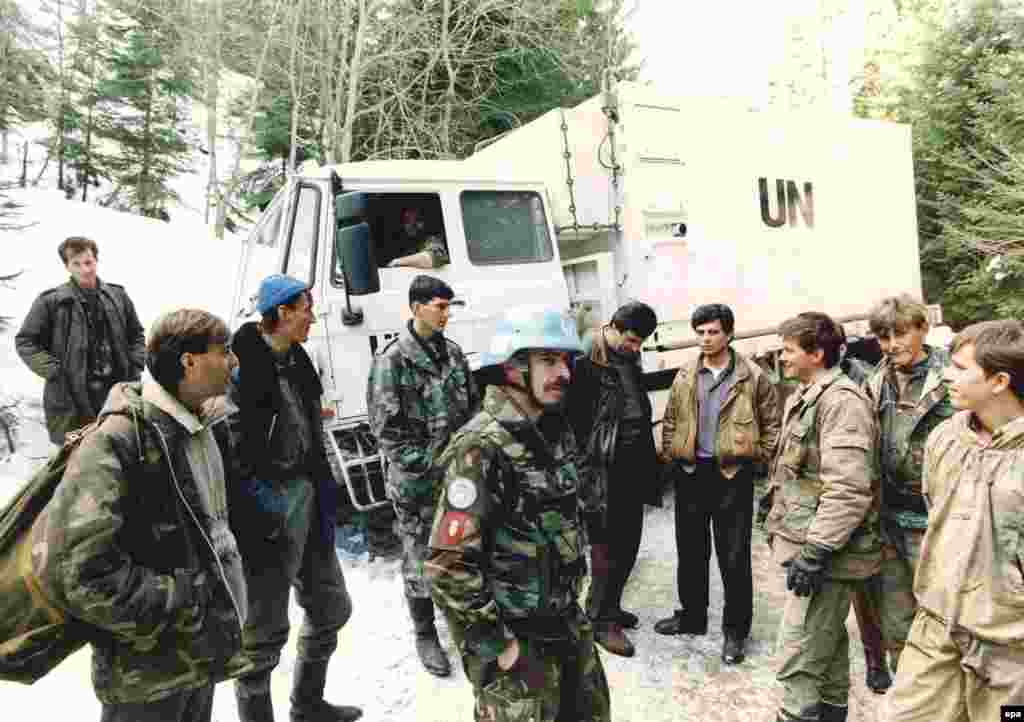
[(276, 290)]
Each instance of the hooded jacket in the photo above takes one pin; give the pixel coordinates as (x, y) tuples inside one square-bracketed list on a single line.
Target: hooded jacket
[(971, 572), (128, 515), (54, 342)]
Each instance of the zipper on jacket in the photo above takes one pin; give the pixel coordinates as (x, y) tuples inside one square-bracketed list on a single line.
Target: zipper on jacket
[(199, 526)]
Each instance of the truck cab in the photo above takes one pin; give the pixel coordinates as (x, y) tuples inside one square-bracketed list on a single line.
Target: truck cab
[(338, 228)]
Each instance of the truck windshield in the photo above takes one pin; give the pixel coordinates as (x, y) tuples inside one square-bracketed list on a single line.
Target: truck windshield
[(505, 227)]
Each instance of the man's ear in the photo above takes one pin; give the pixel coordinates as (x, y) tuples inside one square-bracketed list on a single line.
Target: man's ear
[(818, 355), (1000, 382), (188, 361)]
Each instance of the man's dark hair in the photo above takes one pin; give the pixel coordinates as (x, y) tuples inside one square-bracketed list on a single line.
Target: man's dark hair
[(74, 245), (813, 331), (998, 348), (189, 330), (270, 319), (636, 317), (711, 312), (425, 289)]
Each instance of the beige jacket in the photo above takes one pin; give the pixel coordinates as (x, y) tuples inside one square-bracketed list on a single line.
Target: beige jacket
[(748, 426), (971, 572), (825, 477)]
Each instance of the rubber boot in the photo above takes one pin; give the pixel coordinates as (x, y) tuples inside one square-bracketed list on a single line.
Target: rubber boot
[(428, 646), (308, 704), (253, 698), (877, 676)]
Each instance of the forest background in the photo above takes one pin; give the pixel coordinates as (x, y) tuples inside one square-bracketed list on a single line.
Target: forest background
[(119, 83)]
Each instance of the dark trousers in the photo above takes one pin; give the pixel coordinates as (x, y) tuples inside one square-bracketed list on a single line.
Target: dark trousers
[(190, 705), (707, 502), (623, 530), (301, 560)]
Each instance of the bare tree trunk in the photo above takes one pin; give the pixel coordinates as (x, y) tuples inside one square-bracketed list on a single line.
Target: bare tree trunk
[(446, 123), (62, 102), (354, 75), (213, 65), (295, 83), (250, 114)]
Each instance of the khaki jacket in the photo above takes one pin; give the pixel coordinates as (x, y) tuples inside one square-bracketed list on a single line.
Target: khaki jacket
[(748, 426), (971, 572), (824, 477)]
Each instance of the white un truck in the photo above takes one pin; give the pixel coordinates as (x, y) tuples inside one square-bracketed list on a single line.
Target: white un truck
[(631, 195)]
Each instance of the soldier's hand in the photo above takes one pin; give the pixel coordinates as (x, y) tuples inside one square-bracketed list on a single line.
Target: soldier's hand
[(806, 571), (528, 666)]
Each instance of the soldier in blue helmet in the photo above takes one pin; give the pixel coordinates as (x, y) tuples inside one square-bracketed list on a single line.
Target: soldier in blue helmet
[(507, 552)]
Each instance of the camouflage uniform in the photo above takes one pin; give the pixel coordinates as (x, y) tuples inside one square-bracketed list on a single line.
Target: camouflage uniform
[(506, 561), (965, 654), (824, 474), (907, 414), (419, 393), (112, 545)]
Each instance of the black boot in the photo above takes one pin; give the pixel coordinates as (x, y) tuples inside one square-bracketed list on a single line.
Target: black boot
[(807, 714), (833, 712), (254, 707), (308, 705), (428, 646)]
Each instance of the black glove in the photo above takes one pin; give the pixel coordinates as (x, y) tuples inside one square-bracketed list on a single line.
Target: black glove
[(806, 571), (764, 506)]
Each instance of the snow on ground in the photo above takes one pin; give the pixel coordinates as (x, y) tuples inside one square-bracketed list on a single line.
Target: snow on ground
[(165, 266)]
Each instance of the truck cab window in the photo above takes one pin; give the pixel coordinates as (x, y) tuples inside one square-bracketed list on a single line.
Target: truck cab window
[(408, 231), (505, 227), (305, 228)]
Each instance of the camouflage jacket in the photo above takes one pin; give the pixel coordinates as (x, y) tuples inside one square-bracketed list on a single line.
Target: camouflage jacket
[(971, 574), (902, 454), (54, 342), (826, 490), (416, 400), (129, 514), (506, 545), (748, 425)]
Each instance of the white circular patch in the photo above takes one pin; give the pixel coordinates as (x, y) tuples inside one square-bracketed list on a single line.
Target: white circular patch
[(461, 493)]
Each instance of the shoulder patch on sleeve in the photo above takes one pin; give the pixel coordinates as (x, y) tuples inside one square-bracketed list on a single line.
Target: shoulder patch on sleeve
[(461, 493), (455, 526)]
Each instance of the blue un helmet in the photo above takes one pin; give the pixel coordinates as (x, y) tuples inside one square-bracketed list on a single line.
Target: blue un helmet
[(530, 328)]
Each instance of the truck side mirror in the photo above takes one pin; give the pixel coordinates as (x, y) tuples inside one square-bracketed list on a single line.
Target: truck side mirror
[(356, 251), (354, 245)]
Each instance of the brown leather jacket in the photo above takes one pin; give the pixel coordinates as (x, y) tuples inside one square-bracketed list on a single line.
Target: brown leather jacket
[(748, 425)]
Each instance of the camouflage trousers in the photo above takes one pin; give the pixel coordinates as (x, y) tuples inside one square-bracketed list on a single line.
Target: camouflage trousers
[(298, 559), (953, 679), (190, 705), (813, 649), (414, 529), (575, 688), (891, 591)]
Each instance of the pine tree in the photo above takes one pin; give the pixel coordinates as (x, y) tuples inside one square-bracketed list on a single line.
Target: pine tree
[(25, 71), (143, 102)]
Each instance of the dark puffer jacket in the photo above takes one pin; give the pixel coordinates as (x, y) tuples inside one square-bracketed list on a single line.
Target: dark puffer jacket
[(54, 343)]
